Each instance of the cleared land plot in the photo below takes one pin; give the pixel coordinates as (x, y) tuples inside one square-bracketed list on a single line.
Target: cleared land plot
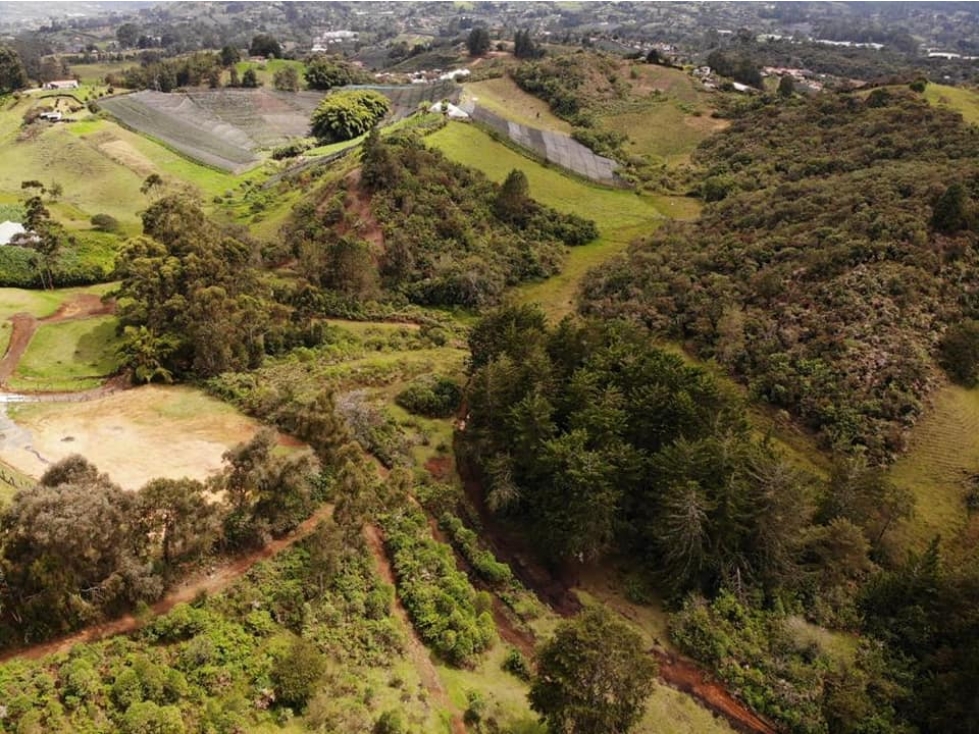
[(134, 435), (71, 355), (944, 451), (38, 304), (662, 130)]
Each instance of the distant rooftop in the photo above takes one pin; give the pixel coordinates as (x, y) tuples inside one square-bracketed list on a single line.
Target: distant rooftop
[(8, 230)]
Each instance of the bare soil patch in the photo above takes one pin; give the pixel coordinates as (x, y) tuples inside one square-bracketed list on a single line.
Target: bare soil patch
[(134, 435)]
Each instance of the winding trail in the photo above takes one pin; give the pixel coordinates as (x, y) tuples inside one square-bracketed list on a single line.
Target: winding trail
[(676, 671), (216, 580), (24, 325)]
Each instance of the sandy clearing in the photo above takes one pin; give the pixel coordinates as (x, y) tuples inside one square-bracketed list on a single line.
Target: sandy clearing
[(134, 435)]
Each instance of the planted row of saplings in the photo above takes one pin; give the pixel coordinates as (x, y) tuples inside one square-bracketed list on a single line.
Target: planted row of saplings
[(451, 617)]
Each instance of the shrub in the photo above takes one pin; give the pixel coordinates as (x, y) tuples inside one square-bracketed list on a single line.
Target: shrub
[(431, 396), (439, 599), (516, 664), (105, 223)]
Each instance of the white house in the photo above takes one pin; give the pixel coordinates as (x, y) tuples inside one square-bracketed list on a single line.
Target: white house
[(8, 230), (62, 84)]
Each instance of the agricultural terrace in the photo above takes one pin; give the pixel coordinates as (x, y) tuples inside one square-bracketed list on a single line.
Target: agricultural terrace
[(227, 128)]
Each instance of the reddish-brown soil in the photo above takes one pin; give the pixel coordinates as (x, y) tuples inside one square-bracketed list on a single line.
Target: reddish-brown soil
[(358, 205), (213, 581), (80, 306), (555, 591)]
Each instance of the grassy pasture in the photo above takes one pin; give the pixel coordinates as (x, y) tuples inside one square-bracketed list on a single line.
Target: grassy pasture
[(662, 130), (95, 74), (69, 355), (503, 97), (961, 99), (944, 450)]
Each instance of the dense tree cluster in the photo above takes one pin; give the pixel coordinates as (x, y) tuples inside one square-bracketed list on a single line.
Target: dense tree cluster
[(346, 115), (736, 64), (450, 236), (168, 74), (265, 44), (327, 72), (604, 443), (829, 264), (76, 547), (524, 46), (478, 41), (13, 76), (190, 300)]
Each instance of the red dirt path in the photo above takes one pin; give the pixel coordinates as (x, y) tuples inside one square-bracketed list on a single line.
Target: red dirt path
[(81, 306), (218, 579), (676, 671)]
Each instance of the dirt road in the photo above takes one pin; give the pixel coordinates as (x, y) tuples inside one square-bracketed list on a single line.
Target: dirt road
[(81, 306)]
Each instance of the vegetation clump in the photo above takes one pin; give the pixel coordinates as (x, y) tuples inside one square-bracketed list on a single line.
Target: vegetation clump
[(827, 265), (449, 615), (348, 114)]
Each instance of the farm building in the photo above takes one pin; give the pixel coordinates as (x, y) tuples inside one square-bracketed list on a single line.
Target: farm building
[(50, 116), (8, 230), (62, 84)]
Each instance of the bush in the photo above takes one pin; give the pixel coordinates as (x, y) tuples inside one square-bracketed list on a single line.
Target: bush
[(345, 115), (439, 599), (105, 223), (484, 563), (516, 664), (431, 396)]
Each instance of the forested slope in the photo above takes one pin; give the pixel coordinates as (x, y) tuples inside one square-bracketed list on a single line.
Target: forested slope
[(838, 247), (414, 226)]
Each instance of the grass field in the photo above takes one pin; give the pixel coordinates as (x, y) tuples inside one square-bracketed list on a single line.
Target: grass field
[(663, 131), (96, 73), (944, 450), (134, 435), (506, 99), (961, 99), (73, 355), (37, 303)]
